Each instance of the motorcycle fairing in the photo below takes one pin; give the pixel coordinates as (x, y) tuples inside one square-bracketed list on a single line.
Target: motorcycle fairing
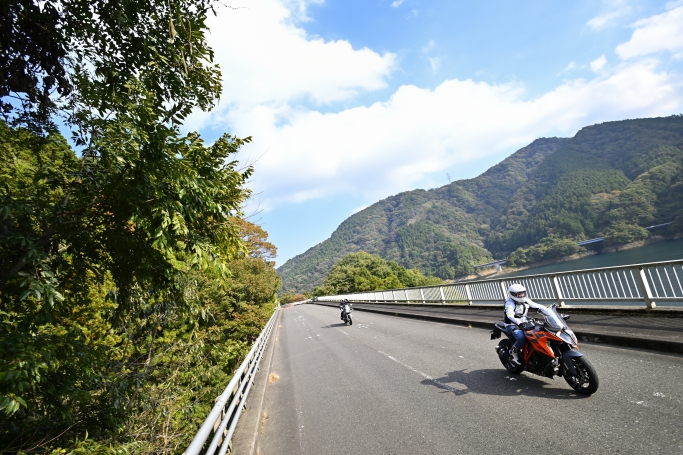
[(566, 359), (539, 339)]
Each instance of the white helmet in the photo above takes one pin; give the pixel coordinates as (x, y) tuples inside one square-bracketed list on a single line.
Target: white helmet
[(517, 292)]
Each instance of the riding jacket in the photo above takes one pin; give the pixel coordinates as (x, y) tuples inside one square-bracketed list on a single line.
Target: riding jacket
[(512, 308)]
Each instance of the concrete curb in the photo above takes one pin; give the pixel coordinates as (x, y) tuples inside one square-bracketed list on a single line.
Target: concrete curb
[(675, 347)]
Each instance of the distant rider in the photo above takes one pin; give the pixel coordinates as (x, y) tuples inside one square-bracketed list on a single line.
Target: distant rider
[(341, 307), (516, 308)]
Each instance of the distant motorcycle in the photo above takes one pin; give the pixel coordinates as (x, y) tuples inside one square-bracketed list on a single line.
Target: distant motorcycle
[(346, 314), (551, 349)]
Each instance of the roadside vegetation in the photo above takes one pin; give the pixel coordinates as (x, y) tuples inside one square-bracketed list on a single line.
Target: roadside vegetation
[(131, 285), (359, 272)]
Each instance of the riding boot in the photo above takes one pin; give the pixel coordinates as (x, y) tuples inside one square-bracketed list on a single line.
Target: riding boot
[(514, 355)]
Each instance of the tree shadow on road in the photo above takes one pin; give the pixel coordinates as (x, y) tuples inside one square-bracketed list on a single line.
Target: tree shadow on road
[(500, 382)]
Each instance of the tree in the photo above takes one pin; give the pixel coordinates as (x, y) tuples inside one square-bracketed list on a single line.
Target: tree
[(624, 233), (358, 272), (256, 240), (97, 244)]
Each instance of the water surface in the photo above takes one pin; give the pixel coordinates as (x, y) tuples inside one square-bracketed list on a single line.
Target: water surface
[(661, 251)]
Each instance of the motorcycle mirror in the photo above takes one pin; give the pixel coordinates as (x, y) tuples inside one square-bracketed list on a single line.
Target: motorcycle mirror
[(565, 316)]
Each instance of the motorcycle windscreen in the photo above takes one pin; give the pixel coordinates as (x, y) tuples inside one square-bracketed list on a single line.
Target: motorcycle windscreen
[(347, 308), (553, 321)]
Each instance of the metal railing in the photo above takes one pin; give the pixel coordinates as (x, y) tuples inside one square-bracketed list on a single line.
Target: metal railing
[(222, 419), (638, 283)]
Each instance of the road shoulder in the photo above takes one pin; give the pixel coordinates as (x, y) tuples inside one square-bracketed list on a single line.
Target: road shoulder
[(248, 428)]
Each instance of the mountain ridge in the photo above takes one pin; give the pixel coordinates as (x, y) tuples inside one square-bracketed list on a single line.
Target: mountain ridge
[(553, 188)]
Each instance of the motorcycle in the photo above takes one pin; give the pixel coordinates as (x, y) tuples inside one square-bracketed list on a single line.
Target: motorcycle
[(346, 314), (551, 349)]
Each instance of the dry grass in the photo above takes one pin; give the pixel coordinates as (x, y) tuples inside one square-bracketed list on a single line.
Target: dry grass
[(263, 422), (273, 377)]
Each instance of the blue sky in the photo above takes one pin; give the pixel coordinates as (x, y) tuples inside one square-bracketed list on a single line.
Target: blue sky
[(352, 101)]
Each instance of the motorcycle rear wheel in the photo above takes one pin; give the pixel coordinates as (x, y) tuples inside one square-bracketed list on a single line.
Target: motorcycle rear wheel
[(586, 382), (509, 365)]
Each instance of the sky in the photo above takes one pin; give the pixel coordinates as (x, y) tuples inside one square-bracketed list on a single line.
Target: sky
[(351, 101)]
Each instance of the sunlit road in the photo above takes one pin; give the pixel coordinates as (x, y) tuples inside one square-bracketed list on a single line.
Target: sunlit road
[(389, 385)]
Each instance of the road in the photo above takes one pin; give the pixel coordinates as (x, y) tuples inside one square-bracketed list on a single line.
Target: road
[(389, 385)]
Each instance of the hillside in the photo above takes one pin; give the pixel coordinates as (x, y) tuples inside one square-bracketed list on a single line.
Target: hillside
[(610, 179)]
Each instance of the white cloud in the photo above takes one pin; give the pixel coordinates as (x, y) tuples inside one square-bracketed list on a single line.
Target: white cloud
[(427, 48), (299, 8), (616, 10), (396, 3), (394, 145), (663, 32), (266, 58), (597, 64), (270, 65), (435, 63), (571, 66)]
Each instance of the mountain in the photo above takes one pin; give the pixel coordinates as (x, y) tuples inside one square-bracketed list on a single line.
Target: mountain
[(610, 179)]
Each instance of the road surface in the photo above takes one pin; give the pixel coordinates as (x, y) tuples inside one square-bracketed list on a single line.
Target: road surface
[(389, 385)]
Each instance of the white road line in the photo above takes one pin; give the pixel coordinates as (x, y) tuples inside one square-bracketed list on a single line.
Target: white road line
[(424, 375)]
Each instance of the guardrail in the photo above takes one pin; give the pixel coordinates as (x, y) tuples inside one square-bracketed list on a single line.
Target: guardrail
[(222, 419), (638, 283)]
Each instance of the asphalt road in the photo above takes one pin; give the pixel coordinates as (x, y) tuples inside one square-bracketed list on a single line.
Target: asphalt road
[(389, 385)]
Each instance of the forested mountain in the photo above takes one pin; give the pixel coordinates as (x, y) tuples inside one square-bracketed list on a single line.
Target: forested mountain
[(610, 179)]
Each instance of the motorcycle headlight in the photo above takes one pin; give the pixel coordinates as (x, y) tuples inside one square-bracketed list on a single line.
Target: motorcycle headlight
[(568, 336)]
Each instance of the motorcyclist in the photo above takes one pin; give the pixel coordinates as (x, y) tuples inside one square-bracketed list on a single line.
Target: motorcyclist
[(341, 307), (516, 308)]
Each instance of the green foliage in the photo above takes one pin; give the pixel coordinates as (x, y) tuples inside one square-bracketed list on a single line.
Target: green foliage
[(110, 62), (609, 176), (624, 233), (130, 287), (289, 297), (551, 247), (358, 272), (437, 253)]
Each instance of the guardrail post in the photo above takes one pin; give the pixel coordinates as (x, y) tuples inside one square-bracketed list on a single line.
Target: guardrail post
[(443, 298), (469, 294), (557, 291), (422, 294), (407, 299), (645, 289)]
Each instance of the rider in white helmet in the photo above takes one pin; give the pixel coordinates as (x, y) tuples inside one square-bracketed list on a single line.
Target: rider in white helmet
[(516, 309), (341, 307)]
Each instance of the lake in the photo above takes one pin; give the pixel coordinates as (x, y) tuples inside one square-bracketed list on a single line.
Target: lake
[(661, 251)]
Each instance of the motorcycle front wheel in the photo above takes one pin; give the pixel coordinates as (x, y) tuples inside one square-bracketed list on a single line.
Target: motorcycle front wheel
[(509, 365), (586, 381), (350, 320)]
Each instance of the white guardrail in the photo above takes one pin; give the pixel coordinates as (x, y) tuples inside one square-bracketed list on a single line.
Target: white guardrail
[(637, 283), (222, 419)]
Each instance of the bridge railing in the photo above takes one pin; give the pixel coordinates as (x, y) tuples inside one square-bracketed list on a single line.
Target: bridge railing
[(220, 424), (624, 285)]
